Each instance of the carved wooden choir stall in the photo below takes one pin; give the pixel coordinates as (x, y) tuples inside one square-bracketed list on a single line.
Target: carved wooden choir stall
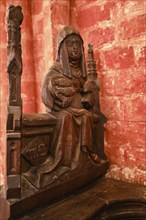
[(59, 152)]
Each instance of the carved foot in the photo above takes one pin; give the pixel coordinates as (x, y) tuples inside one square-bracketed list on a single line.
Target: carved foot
[(92, 156), (95, 157)]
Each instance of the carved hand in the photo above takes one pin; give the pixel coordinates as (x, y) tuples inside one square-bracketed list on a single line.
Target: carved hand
[(88, 100), (90, 86)]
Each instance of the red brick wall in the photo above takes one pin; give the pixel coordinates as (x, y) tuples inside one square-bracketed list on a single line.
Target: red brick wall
[(49, 17), (116, 29)]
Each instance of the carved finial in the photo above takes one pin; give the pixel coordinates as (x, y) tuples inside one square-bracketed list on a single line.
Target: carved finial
[(15, 13), (14, 59), (14, 20)]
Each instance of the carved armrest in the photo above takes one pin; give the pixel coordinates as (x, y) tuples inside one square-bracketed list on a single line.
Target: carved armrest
[(36, 123), (37, 119)]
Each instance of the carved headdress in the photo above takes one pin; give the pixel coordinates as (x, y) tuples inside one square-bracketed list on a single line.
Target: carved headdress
[(62, 54)]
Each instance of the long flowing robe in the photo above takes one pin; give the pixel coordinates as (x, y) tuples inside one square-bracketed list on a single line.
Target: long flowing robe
[(72, 138)]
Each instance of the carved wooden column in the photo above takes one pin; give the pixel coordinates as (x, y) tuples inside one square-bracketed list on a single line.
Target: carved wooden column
[(98, 126), (14, 118), (92, 76)]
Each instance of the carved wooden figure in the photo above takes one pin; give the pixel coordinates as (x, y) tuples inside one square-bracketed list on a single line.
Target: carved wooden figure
[(55, 153), (72, 97)]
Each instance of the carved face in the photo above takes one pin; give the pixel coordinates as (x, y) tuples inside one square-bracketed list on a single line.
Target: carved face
[(74, 45)]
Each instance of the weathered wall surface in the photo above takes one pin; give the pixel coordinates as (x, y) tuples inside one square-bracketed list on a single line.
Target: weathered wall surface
[(48, 17), (116, 29)]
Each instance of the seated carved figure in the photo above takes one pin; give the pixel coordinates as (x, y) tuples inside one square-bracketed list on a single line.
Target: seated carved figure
[(69, 95)]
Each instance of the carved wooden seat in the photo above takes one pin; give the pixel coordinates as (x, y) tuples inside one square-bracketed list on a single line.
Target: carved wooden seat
[(28, 141)]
